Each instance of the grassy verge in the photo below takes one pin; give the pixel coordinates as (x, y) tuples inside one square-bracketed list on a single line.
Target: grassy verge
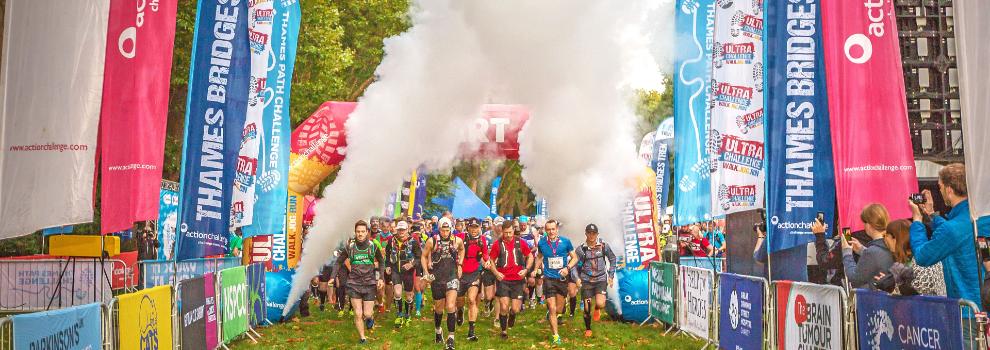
[(325, 330)]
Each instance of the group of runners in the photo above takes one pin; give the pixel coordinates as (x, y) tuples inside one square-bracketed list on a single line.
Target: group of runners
[(493, 263)]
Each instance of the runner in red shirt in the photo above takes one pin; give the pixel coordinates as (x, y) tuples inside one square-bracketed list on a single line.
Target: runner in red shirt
[(475, 256), (511, 260)]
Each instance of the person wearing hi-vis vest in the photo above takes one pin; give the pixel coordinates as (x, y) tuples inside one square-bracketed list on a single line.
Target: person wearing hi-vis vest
[(363, 261), (555, 256)]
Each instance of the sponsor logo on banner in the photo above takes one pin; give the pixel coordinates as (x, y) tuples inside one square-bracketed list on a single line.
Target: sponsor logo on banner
[(158, 273), (662, 285), (736, 196), (742, 312), (260, 250), (749, 121), (233, 302), (168, 216), (747, 25), (732, 96), (812, 316), (72, 328), (740, 155), (145, 319), (264, 16), (919, 322), (258, 40), (246, 168), (732, 53), (696, 292)]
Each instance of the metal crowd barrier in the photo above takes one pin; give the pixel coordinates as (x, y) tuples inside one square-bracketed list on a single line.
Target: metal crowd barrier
[(847, 319), (177, 273), (6, 333), (980, 341), (710, 338), (43, 284), (709, 263)]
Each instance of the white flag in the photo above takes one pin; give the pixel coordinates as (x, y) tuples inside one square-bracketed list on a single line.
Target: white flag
[(52, 86), (972, 24)]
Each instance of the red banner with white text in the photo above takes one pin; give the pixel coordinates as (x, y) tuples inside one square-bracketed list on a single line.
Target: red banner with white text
[(870, 136), (135, 107)]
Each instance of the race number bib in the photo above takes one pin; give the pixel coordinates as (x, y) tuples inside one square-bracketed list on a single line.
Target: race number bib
[(556, 263)]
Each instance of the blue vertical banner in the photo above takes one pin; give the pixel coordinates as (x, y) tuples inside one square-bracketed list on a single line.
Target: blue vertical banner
[(420, 201), (663, 138), (917, 322), (741, 313), (542, 207), (493, 200), (168, 217), (72, 328), (219, 74), (273, 156), (695, 28), (800, 172)]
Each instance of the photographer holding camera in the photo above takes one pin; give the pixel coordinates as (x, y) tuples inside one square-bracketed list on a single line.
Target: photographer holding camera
[(952, 241)]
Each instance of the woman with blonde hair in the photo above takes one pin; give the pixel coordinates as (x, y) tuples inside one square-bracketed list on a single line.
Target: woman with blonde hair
[(874, 258)]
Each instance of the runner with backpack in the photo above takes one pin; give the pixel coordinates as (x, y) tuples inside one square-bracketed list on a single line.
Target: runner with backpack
[(512, 261), (441, 261), (596, 268), (363, 261), (475, 256)]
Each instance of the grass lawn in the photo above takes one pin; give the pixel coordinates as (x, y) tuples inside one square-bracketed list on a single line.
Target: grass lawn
[(324, 330)]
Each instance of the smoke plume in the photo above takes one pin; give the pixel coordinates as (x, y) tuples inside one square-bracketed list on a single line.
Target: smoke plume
[(571, 62)]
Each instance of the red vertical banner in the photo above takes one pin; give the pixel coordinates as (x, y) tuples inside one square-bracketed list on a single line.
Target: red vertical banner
[(140, 37), (870, 136)]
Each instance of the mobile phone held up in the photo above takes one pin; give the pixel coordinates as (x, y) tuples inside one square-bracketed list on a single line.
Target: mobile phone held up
[(820, 218), (918, 198), (846, 232)]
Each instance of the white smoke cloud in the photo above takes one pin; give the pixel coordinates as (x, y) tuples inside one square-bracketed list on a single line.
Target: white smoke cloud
[(572, 62)]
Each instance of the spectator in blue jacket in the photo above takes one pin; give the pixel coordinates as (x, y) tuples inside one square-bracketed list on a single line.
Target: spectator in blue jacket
[(953, 241)]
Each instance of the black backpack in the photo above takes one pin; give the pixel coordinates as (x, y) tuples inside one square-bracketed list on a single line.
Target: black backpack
[(503, 256)]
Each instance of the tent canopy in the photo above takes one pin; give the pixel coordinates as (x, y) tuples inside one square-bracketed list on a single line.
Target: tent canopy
[(464, 203)]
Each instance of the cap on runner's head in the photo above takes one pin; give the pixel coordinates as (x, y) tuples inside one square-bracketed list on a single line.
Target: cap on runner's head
[(499, 220), (402, 225), (445, 222), (474, 222), (524, 219), (591, 228)]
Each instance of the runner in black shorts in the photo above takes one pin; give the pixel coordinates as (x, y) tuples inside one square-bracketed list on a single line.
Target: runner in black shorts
[(401, 255), (363, 260), (442, 262), (596, 267), (556, 255), (511, 261)]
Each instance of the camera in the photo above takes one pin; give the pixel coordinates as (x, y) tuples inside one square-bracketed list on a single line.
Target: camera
[(762, 224), (885, 283), (918, 198)]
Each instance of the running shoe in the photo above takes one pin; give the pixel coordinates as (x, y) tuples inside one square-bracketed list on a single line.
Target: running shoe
[(419, 314), (322, 308), (597, 315), (398, 321), (363, 341), (369, 324), (438, 339), (504, 335), (450, 343), (471, 336), (340, 314), (556, 339), (350, 312), (587, 333)]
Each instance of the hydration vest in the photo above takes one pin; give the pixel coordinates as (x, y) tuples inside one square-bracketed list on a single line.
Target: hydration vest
[(444, 249), (474, 241), (503, 256), (361, 256)]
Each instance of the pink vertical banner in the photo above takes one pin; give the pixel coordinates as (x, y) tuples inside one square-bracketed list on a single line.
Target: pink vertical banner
[(212, 310), (870, 136), (140, 37)]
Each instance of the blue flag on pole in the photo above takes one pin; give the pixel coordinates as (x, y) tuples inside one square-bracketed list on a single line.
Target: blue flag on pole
[(273, 159), (215, 111), (800, 173), (695, 27), (493, 200)]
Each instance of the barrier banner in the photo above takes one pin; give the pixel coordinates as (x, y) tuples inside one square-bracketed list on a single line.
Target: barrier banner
[(639, 220), (198, 312), (31, 285), (168, 217), (866, 98), (273, 159), (694, 23), (233, 303), (216, 106), (125, 272), (135, 107), (662, 286), (736, 133), (158, 273), (972, 21), (917, 322), (145, 319), (256, 293), (800, 175), (740, 324), (75, 328), (419, 199), (493, 198), (696, 297), (50, 111), (809, 316)]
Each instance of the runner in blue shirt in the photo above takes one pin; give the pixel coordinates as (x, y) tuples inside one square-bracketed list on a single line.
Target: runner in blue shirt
[(556, 256)]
